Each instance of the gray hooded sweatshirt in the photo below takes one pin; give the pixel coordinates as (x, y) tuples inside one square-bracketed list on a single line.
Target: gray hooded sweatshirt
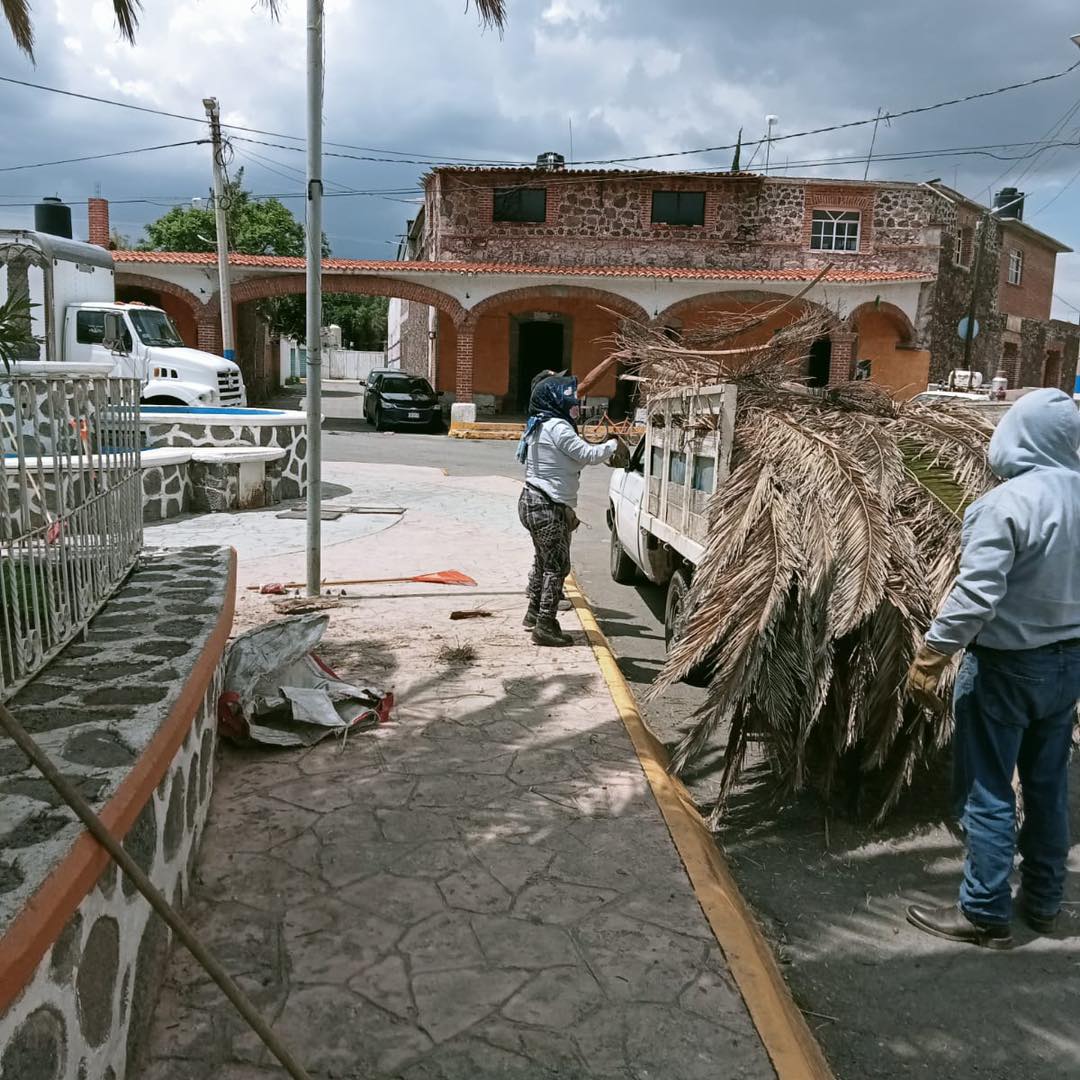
[(1019, 580)]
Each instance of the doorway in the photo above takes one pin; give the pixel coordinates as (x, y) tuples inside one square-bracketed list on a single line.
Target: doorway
[(536, 344), (820, 359)]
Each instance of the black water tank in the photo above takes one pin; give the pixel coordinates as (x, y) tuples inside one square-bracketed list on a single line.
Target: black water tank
[(52, 216), (1013, 202)]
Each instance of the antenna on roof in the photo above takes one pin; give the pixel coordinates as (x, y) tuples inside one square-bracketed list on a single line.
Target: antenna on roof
[(570, 121)]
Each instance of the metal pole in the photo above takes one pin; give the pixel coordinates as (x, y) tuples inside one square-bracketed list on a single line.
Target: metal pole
[(228, 339), (314, 294), (97, 829), (969, 334)]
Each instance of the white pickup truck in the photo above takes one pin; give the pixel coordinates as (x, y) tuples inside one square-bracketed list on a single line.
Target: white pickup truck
[(76, 319), (658, 504)]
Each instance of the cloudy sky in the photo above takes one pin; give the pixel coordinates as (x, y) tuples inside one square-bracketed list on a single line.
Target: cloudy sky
[(418, 78)]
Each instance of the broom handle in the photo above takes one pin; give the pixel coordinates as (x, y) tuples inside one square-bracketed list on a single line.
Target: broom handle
[(350, 581), (101, 834)]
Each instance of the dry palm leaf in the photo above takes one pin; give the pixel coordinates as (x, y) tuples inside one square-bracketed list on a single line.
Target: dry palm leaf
[(830, 546)]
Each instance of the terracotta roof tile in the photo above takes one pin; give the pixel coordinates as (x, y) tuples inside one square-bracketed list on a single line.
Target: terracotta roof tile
[(837, 275)]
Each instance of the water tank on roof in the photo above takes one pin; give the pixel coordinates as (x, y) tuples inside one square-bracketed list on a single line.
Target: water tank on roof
[(550, 162), (53, 217), (1009, 203)]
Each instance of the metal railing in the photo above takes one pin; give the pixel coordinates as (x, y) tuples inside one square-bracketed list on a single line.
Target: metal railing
[(70, 508)]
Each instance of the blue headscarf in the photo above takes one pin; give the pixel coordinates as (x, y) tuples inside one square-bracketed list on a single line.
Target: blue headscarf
[(553, 399)]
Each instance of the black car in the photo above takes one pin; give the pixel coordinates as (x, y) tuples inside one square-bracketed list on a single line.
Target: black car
[(396, 399)]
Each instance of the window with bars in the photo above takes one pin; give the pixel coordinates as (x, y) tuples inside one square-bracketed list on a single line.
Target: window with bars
[(678, 208), (1016, 267), (835, 230), (521, 204)]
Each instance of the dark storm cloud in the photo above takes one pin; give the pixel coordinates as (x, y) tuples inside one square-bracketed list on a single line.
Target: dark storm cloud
[(632, 75)]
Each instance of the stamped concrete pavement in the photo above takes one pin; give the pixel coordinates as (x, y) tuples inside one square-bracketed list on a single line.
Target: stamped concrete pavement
[(482, 888)]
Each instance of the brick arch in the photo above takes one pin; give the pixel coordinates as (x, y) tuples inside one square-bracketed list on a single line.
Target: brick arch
[(738, 296), (264, 288), (160, 285), (602, 297), (897, 316)]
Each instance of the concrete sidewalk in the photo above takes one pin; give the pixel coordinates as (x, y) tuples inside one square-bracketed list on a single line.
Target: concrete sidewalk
[(483, 888)]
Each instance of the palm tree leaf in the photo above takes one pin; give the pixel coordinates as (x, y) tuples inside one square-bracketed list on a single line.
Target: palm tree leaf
[(492, 12), (17, 14)]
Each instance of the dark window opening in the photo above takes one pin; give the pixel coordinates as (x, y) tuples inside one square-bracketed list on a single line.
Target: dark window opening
[(521, 204), (678, 207)]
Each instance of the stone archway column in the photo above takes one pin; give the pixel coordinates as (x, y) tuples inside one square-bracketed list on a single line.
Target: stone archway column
[(842, 357), (463, 387)]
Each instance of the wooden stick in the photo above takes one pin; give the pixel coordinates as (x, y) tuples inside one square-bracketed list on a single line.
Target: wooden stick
[(67, 791)]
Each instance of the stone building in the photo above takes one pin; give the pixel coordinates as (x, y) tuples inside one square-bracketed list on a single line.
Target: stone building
[(909, 250)]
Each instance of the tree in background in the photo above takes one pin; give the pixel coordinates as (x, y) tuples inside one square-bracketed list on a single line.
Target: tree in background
[(267, 227)]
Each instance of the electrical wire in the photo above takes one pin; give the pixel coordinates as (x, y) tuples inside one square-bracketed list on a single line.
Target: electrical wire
[(430, 159), (99, 157)]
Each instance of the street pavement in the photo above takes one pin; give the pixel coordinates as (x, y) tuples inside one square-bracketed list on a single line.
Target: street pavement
[(482, 888), (884, 1000)]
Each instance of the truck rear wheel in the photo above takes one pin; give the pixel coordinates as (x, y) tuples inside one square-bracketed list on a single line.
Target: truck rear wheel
[(623, 570), (675, 614)]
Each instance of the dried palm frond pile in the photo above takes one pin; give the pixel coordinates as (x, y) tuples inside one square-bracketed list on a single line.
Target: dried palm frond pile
[(830, 547)]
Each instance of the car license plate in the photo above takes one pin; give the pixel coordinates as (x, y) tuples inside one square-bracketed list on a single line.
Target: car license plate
[(414, 416)]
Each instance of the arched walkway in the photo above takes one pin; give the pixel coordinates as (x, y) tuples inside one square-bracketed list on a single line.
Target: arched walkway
[(884, 338), (197, 322), (265, 288), (517, 333)]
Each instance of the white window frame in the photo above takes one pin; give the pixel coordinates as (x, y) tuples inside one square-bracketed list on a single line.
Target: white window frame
[(958, 249), (1016, 266), (836, 229)]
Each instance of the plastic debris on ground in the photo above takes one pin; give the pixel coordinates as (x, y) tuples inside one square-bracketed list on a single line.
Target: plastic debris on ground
[(277, 692)]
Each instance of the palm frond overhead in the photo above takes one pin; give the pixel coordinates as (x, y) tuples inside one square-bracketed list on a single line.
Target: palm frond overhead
[(830, 545), (491, 12), (17, 14)]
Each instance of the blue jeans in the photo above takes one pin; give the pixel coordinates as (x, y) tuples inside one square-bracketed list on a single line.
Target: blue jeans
[(1014, 711)]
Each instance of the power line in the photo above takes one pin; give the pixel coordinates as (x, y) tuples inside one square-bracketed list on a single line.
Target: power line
[(431, 159), (99, 157)]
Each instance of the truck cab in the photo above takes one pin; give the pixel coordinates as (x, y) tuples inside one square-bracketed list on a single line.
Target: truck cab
[(142, 343)]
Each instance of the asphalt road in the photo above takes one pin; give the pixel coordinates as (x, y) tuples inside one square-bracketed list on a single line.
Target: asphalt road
[(886, 1001)]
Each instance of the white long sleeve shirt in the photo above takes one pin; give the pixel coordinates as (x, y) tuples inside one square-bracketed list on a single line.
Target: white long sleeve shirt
[(556, 455)]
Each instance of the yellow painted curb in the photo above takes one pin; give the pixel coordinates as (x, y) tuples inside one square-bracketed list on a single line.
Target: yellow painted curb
[(788, 1040)]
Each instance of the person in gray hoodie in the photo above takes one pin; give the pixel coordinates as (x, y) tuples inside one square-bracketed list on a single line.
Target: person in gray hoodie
[(1015, 609)]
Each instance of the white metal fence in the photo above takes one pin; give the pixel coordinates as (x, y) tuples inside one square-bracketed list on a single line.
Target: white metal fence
[(70, 508)]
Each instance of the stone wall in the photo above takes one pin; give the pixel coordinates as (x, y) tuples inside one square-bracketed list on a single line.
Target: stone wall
[(129, 716), (750, 222), (166, 491), (290, 437)]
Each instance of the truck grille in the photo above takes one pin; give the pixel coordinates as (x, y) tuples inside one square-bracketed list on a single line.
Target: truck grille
[(229, 387)]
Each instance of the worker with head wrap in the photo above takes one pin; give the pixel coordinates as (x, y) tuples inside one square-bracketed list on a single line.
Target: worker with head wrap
[(553, 454)]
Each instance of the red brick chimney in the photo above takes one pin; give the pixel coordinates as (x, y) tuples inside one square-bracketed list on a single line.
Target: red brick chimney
[(97, 211)]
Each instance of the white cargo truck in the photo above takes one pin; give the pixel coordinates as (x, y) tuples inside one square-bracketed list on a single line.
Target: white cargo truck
[(76, 319), (658, 504)]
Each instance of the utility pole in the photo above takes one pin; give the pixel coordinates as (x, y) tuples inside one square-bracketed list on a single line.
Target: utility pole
[(314, 294), (228, 338)]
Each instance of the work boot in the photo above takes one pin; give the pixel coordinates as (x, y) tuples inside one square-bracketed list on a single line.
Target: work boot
[(954, 924), (1041, 924), (547, 632), (530, 617)]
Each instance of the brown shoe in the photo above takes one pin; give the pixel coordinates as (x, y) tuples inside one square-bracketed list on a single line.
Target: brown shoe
[(953, 924)]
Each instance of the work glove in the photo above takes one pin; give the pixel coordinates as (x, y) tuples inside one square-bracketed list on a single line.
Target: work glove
[(924, 677), (621, 458)]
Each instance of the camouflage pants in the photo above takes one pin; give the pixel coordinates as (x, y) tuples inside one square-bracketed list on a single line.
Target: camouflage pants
[(549, 524)]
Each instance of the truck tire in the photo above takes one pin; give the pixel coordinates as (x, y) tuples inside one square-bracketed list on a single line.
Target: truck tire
[(623, 570), (674, 621)]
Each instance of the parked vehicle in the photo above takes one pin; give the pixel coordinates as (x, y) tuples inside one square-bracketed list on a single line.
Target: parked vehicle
[(76, 319), (658, 503), (394, 398)]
